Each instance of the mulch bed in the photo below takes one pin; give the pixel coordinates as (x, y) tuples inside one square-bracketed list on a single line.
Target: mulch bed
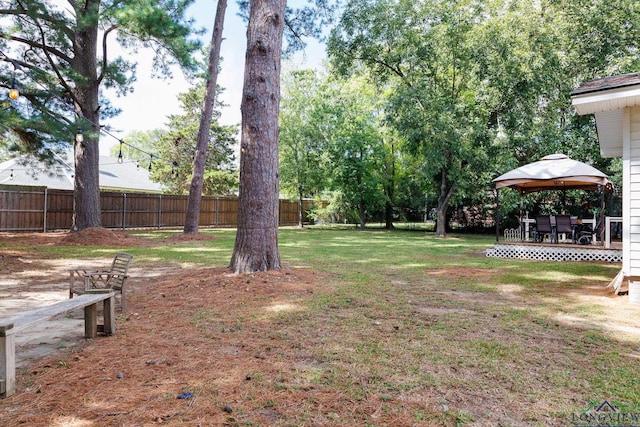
[(193, 335)]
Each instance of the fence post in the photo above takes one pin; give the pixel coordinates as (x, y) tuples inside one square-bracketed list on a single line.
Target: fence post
[(44, 215), (217, 208), (124, 211), (159, 211)]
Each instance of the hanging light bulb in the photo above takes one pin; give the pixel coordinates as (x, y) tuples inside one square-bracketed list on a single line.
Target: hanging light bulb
[(120, 153), (11, 176), (13, 92), (79, 135), (150, 162)]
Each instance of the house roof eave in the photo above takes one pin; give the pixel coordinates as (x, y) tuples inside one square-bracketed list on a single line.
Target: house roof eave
[(607, 99)]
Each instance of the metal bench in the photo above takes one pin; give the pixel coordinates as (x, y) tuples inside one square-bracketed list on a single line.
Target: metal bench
[(13, 325)]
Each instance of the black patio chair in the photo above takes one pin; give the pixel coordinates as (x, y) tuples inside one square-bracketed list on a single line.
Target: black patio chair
[(564, 225), (543, 228), (587, 233)]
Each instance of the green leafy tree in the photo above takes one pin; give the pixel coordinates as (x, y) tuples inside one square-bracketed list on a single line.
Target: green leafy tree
[(301, 141), (171, 152), (61, 56), (176, 149), (356, 146), (480, 87), (423, 51), (332, 138)]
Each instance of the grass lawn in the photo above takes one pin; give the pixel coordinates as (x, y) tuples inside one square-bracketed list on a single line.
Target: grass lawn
[(387, 328)]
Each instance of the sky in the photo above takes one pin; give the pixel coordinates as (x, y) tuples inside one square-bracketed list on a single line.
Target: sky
[(154, 99)]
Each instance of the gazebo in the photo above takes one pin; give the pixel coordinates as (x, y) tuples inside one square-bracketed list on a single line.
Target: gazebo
[(553, 172)]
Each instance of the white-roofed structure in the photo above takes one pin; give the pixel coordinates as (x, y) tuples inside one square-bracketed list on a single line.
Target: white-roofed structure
[(608, 98), (554, 172), (28, 170)]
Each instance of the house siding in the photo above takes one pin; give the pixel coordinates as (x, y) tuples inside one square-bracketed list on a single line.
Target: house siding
[(631, 197)]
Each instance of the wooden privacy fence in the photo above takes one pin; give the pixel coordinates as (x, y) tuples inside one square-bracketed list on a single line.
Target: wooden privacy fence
[(41, 209)]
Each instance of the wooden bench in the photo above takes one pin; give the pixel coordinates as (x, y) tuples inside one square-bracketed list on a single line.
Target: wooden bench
[(90, 278), (11, 326)]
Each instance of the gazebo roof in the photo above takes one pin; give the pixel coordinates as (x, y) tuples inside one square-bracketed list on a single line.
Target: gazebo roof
[(553, 172)]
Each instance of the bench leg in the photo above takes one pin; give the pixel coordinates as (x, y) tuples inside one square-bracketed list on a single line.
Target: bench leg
[(7, 361), (123, 299), (91, 321), (71, 274), (110, 316)]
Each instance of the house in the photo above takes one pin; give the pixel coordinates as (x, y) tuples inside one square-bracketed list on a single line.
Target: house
[(615, 102), (28, 170)]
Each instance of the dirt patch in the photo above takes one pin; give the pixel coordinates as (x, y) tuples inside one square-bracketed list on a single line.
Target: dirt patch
[(155, 354), (92, 236), (96, 235), (459, 273)]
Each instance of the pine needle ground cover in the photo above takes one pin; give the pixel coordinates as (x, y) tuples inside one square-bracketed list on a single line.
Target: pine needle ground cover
[(393, 328)]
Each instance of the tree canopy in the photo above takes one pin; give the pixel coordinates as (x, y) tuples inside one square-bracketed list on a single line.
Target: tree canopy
[(475, 88), (61, 58)]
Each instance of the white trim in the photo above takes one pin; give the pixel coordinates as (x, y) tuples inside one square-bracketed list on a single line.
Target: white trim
[(606, 100), (609, 125)]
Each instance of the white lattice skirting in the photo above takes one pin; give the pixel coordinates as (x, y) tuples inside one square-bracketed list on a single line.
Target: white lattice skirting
[(550, 253)]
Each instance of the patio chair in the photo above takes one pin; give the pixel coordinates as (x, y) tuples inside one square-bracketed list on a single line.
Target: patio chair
[(543, 228), (587, 233), (115, 278), (564, 225)]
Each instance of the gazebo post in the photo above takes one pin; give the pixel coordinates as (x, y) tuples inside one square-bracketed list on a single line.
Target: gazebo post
[(602, 216), (522, 224)]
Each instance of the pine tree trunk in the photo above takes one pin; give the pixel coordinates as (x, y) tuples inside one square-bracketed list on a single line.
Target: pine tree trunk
[(192, 217), (256, 246), (86, 195)]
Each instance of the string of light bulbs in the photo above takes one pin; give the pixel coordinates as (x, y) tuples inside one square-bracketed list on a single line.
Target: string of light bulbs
[(14, 94), (152, 156)]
